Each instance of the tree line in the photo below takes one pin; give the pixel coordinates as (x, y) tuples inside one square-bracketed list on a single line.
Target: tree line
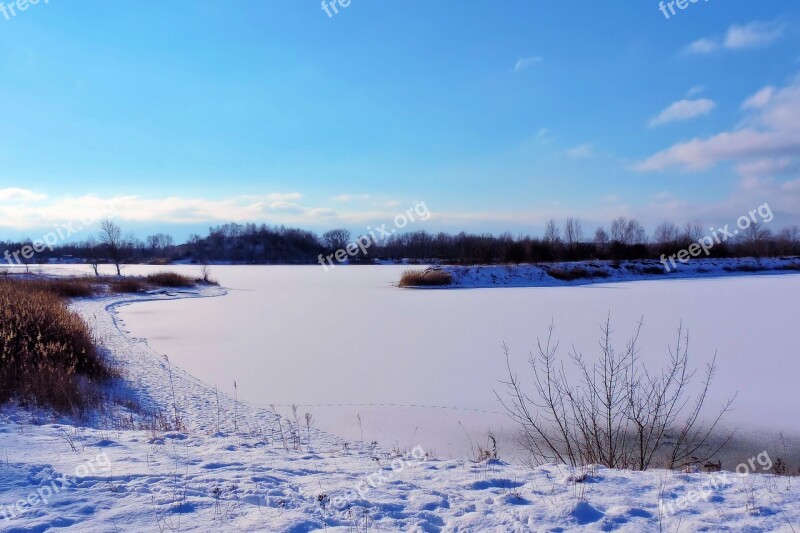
[(262, 244)]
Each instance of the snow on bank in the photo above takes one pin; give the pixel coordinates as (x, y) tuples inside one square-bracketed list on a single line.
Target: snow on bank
[(238, 467), (589, 272)]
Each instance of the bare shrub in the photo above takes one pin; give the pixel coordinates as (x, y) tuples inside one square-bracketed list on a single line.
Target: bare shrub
[(205, 276), (617, 412), (430, 277)]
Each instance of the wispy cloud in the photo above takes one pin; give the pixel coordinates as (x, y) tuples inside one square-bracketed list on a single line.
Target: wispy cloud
[(694, 91), (701, 46), (14, 194), (751, 35), (581, 151), (766, 168), (527, 62), (38, 210), (760, 99), (770, 131), (350, 197), (684, 110)]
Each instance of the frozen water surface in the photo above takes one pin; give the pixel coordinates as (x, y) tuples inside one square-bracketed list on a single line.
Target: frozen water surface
[(421, 366)]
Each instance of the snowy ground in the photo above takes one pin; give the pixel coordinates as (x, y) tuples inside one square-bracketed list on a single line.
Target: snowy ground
[(235, 467), (539, 275)]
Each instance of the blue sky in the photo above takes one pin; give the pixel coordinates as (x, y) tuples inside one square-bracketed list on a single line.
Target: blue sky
[(498, 115)]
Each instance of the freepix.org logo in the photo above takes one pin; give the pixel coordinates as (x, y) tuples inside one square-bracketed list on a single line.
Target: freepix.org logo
[(668, 8), (11, 9)]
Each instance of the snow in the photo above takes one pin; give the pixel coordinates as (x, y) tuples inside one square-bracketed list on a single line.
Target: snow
[(232, 468), (538, 275), (421, 367)]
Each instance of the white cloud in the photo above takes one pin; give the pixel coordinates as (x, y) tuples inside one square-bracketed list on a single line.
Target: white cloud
[(527, 62), (766, 168), (697, 89), (14, 194), (760, 99), (769, 132), (581, 151), (684, 110), (350, 197), (751, 35), (701, 46), (39, 211)]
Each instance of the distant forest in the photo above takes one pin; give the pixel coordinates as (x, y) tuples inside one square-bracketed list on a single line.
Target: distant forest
[(262, 244)]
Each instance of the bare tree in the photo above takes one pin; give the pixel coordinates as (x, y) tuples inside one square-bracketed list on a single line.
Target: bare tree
[(551, 232), (573, 232), (159, 243), (27, 254), (693, 231), (756, 236), (666, 234), (627, 232), (92, 254), (335, 239), (791, 234), (601, 236), (618, 413), (111, 238), (618, 229), (790, 238)]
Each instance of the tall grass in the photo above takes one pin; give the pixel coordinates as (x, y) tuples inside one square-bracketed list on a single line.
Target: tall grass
[(425, 278), (170, 279), (47, 354), (66, 287)]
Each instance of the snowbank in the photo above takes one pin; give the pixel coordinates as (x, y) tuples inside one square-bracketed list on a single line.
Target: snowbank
[(589, 272)]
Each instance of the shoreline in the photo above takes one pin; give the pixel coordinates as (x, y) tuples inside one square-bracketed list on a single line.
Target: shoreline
[(582, 273)]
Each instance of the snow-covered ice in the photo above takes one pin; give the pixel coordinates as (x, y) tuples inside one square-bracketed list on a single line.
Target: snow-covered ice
[(245, 476), (421, 367)]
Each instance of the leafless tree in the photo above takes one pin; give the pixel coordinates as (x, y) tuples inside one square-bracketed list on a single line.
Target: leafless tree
[(111, 238), (756, 236), (335, 239), (616, 412), (790, 239), (627, 232), (666, 233), (601, 236), (159, 243), (573, 232), (26, 254), (618, 229), (93, 255), (791, 234), (551, 232), (693, 231)]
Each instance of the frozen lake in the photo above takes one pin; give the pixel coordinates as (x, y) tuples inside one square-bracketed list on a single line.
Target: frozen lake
[(421, 367)]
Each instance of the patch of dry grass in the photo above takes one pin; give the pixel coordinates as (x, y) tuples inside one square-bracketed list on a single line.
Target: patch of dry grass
[(170, 279), (66, 287), (128, 285), (425, 278), (47, 354)]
